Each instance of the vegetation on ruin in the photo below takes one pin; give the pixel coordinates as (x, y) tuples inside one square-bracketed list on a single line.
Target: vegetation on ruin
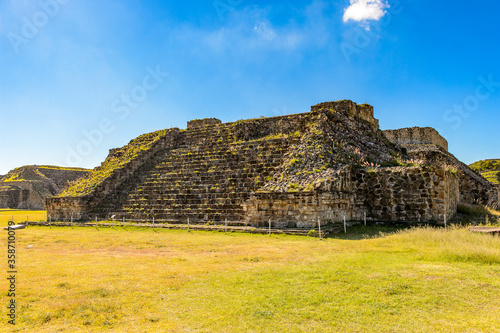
[(33, 172), (489, 169), (120, 158), (372, 279), (53, 167), (331, 142)]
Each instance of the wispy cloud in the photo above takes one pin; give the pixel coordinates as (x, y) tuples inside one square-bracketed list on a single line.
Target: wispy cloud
[(250, 32), (365, 10)]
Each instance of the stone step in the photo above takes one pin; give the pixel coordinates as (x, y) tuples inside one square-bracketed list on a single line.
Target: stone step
[(204, 180), (200, 188), (179, 218), (200, 176), (184, 197), (187, 207), (220, 161)]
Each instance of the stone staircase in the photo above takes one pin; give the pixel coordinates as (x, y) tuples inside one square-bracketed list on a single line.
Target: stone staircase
[(205, 179)]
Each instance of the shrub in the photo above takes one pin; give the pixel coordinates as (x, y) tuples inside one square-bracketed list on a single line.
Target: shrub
[(312, 232)]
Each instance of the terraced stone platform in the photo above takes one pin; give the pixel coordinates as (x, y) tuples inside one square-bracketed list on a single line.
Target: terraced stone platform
[(294, 171)]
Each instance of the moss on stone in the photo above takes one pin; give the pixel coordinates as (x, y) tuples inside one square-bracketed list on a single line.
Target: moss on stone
[(118, 159)]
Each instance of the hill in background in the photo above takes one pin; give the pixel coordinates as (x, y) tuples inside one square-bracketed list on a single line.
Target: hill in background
[(27, 187), (489, 169)]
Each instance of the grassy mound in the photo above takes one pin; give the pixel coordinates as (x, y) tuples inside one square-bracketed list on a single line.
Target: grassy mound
[(489, 169), (33, 172)]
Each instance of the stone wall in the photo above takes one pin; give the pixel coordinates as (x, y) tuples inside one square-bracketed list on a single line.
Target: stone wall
[(4, 201), (387, 194), (493, 194), (14, 197), (407, 194), (474, 188), (261, 127), (425, 143), (62, 209), (362, 111), (332, 201), (24, 194), (416, 136), (197, 123), (297, 209)]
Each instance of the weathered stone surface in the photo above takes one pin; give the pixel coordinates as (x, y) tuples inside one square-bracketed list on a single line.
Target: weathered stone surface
[(363, 111), (198, 123), (416, 136), (474, 188), (67, 208), (291, 170), (378, 195)]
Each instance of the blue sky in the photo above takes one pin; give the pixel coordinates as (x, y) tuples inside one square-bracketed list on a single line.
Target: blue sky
[(80, 77)]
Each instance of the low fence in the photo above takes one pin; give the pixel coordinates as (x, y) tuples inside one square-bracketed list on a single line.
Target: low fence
[(142, 224)]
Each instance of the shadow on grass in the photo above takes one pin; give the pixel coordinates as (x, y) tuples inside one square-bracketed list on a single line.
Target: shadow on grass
[(476, 215), (467, 215), (359, 232)]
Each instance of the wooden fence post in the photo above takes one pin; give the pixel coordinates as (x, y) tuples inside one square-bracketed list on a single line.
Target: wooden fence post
[(319, 227)]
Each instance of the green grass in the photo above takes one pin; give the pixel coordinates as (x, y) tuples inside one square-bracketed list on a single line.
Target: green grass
[(115, 280)]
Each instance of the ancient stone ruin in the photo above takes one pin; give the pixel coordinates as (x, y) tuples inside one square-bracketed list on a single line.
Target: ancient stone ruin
[(28, 186), (324, 165)]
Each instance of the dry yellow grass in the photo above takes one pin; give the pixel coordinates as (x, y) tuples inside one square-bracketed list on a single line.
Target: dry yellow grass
[(114, 280), (19, 216)]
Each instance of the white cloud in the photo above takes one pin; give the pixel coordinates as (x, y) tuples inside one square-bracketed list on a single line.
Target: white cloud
[(364, 10)]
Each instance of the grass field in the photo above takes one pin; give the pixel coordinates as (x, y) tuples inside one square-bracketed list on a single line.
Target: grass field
[(6, 215), (115, 280)]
